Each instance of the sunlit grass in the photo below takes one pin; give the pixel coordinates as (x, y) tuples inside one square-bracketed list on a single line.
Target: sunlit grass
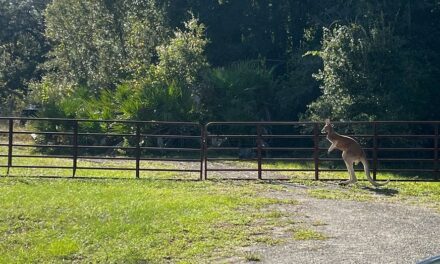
[(421, 193), (308, 234), (425, 194), (90, 164), (128, 221), (340, 194), (324, 175), (253, 256)]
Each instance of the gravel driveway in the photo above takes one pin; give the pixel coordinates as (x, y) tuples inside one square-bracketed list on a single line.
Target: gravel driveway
[(375, 231), (358, 232)]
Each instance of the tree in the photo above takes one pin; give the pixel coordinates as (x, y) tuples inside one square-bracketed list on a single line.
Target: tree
[(360, 69), (22, 49), (382, 69), (378, 60), (165, 90), (99, 44), (171, 88), (242, 91)]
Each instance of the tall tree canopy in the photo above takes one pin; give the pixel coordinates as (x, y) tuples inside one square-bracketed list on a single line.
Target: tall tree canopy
[(98, 44), (22, 48), (383, 68), (373, 60)]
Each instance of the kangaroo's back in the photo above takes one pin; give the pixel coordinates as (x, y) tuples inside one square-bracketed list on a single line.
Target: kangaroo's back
[(351, 153)]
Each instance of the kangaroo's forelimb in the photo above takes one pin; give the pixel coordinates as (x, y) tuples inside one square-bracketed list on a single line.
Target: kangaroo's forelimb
[(351, 153)]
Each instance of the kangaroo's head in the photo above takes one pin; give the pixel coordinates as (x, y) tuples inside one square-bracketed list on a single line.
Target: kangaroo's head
[(328, 128)]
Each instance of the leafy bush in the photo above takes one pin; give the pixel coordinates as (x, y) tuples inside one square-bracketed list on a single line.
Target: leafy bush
[(243, 91), (370, 74), (164, 91)]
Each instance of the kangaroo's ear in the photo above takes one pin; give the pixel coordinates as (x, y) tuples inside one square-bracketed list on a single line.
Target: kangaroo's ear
[(327, 121)]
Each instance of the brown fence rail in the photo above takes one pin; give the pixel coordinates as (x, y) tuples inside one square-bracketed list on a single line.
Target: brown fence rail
[(75, 140), (247, 147), (390, 145)]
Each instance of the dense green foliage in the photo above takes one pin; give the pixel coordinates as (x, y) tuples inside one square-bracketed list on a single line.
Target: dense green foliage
[(98, 44), (222, 60), (22, 49)]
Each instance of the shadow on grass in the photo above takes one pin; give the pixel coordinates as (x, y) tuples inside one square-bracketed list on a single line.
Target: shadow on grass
[(382, 191)]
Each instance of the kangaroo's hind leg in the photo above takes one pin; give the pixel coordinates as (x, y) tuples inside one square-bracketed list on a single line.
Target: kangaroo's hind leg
[(349, 164)]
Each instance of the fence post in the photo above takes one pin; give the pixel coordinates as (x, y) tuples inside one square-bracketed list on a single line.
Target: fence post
[(202, 150), (374, 150), (205, 149), (316, 149), (259, 151), (138, 150), (436, 172), (10, 143), (75, 147)]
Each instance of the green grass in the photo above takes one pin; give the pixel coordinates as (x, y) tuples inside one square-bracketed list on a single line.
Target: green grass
[(252, 256), (308, 234), (422, 193), (340, 195), (126, 221), (38, 161), (310, 175), (132, 221), (426, 194)]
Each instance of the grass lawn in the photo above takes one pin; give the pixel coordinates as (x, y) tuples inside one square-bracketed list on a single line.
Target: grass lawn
[(119, 219), (419, 193), (126, 220), (426, 194), (129, 221)]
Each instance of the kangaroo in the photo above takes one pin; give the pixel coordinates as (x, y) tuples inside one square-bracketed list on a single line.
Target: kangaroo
[(351, 153)]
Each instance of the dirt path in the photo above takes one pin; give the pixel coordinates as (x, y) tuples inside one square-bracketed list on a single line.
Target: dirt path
[(357, 232)]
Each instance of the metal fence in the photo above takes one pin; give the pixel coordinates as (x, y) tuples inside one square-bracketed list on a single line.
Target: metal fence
[(76, 140), (390, 145), (252, 148)]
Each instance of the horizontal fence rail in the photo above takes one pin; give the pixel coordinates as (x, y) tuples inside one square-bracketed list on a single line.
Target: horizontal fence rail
[(303, 143), (83, 140), (253, 150)]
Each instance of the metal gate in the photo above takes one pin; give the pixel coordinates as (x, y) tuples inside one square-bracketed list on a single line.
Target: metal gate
[(389, 145), (251, 148), (101, 140)]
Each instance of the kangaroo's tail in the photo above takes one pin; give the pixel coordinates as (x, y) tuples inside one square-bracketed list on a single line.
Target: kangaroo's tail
[(367, 173)]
